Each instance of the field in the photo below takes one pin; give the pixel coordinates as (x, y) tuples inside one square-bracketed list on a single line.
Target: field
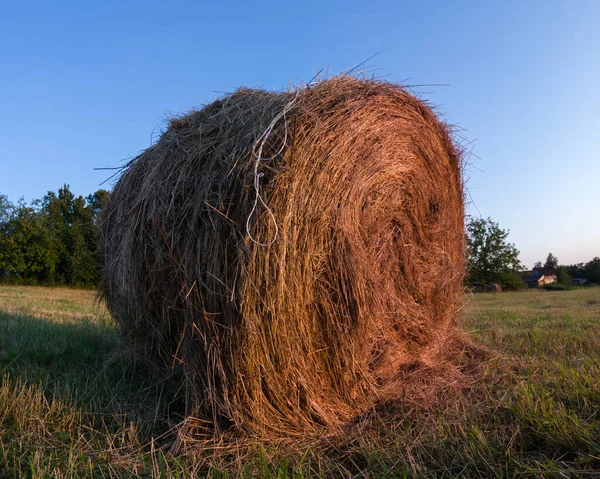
[(74, 404)]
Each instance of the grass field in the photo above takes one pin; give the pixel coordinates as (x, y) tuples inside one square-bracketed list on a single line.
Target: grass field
[(73, 404)]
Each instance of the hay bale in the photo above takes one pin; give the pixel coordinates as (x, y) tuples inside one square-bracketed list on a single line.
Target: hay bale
[(493, 288), (360, 206)]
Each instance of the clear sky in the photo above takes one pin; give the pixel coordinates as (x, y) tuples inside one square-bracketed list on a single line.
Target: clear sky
[(85, 85)]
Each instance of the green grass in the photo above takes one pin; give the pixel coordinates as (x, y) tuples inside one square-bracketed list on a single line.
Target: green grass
[(72, 404)]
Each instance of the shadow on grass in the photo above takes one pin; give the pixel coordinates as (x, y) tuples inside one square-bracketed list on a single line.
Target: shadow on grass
[(83, 364)]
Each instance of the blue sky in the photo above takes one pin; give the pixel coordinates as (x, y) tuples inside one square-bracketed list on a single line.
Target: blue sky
[(85, 84)]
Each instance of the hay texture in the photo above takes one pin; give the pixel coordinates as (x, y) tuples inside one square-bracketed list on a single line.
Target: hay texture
[(289, 252)]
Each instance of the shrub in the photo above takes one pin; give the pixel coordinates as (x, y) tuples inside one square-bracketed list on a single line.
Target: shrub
[(511, 281)]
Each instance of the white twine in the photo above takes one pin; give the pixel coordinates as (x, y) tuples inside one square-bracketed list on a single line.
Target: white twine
[(260, 142)]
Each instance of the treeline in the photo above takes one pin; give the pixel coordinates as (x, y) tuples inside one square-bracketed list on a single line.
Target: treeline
[(52, 241), (492, 259), (589, 271)]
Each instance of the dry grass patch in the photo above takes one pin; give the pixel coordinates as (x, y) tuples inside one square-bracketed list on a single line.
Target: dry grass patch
[(56, 304)]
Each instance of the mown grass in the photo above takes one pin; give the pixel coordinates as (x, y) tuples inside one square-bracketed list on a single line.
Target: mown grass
[(73, 404)]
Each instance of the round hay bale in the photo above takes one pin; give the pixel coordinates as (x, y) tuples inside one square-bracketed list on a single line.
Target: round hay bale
[(493, 288), (289, 251)]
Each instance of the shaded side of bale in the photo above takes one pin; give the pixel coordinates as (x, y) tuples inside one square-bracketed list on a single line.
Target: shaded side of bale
[(365, 273)]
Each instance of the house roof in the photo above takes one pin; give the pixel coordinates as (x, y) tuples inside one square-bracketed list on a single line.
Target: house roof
[(534, 277), (546, 271), (537, 273)]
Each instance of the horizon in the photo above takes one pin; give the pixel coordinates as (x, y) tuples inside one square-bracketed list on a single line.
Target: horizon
[(90, 86)]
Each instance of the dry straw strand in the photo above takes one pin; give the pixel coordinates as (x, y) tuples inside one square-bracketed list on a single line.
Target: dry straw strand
[(260, 143)]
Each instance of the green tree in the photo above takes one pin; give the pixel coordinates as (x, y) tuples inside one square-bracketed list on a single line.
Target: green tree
[(52, 241), (551, 261), (27, 256), (6, 208), (563, 275), (58, 217), (491, 258), (84, 264), (84, 267), (73, 225), (592, 270), (97, 201)]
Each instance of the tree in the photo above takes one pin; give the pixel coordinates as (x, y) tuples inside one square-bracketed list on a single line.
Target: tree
[(563, 276), (84, 264), (52, 241), (589, 271), (26, 252), (58, 218), (490, 257), (592, 270), (551, 261), (6, 209), (576, 270), (538, 265), (97, 201)]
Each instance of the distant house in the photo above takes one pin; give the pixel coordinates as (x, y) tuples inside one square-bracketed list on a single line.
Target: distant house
[(579, 281), (540, 276)]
